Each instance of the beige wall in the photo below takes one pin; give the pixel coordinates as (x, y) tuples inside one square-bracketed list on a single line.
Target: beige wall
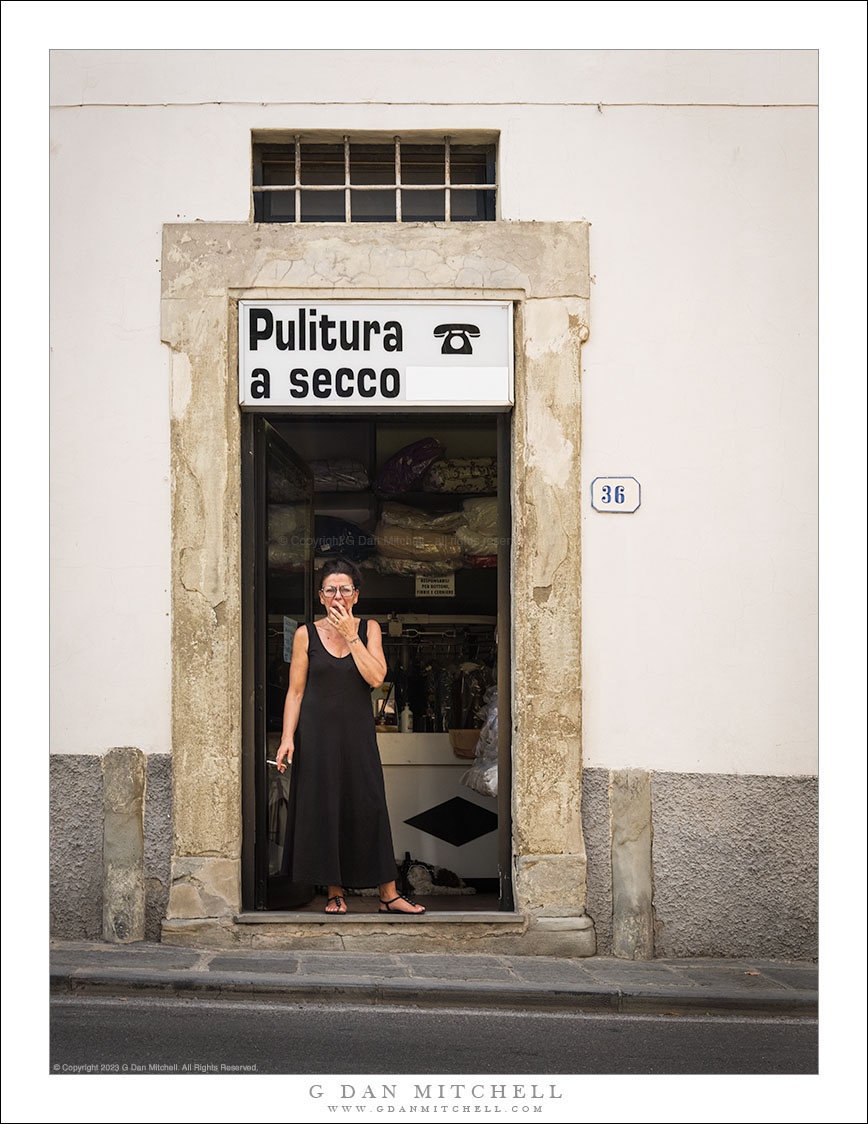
[(697, 172)]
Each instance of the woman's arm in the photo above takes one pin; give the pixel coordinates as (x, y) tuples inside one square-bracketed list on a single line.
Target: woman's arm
[(294, 695), (369, 659)]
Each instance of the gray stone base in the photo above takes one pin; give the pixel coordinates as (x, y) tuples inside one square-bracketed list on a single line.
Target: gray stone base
[(734, 867), (76, 844), (733, 863)]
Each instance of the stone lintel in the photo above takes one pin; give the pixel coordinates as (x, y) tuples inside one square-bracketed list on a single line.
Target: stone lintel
[(543, 259)]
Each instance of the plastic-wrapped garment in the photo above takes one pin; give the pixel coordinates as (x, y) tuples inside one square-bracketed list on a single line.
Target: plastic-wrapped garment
[(470, 690), (287, 536), (482, 775), (464, 474), (339, 536), (287, 523), (402, 515), (281, 557), (446, 697), (339, 476), (288, 483), (482, 780), (481, 514), (476, 542), (278, 802), (404, 471), (410, 566), (403, 542)]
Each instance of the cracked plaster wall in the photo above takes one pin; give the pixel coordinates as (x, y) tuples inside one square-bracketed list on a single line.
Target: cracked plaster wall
[(547, 612)]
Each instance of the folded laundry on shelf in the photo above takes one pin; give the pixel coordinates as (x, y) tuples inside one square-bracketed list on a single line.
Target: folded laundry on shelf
[(404, 542), (403, 515), (427, 567), (404, 471), (336, 536), (340, 475), (476, 542), (463, 474), (480, 514)]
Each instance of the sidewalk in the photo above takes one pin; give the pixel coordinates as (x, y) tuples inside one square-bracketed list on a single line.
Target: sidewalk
[(752, 987)]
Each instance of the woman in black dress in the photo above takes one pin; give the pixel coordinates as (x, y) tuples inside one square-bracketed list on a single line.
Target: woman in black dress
[(338, 831)]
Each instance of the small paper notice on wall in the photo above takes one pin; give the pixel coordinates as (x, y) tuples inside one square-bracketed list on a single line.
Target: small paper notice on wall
[(441, 586), (289, 627)]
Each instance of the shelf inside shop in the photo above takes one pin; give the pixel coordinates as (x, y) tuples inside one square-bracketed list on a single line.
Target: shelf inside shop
[(447, 501), (475, 593)]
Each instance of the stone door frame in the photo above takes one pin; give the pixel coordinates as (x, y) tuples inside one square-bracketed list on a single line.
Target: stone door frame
[(543, 269)]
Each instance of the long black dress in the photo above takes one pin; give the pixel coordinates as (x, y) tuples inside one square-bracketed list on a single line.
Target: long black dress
[(338, 826)]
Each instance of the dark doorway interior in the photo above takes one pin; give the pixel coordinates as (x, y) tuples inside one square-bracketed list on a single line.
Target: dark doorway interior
[(434, 557)]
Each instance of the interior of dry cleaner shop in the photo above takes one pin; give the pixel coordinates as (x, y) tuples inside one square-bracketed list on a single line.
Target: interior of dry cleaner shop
[(420, 503)]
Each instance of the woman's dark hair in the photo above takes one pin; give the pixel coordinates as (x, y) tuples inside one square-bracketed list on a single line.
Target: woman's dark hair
[(340, 566)]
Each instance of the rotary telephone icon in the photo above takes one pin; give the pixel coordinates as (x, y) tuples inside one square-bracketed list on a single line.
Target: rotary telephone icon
[(457, 341)]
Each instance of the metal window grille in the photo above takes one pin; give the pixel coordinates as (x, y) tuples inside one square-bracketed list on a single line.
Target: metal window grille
[(355, 181)]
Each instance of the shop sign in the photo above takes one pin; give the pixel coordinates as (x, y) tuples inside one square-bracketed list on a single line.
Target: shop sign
[(338, 355)]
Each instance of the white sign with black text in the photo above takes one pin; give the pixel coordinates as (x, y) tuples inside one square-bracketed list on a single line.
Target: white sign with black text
[(328, 355), (428, 585)]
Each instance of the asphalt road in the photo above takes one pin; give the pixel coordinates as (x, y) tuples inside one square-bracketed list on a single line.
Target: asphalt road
[(137, 1034)]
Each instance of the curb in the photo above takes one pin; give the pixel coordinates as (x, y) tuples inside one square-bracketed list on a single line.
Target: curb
[(437, 993)]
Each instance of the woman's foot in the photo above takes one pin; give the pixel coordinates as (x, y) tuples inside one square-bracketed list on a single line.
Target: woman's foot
[(336, 902), (400, 904)]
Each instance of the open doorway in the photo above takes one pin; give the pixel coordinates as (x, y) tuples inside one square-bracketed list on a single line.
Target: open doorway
[(433, 547)]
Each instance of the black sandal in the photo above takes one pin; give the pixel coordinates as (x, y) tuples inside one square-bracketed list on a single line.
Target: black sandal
[(339, 898), (404, 912)]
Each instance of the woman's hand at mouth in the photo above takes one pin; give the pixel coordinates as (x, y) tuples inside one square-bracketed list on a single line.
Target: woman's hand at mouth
[(344, 621)]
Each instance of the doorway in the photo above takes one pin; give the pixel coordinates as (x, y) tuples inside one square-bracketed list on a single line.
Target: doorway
[(433, 546)]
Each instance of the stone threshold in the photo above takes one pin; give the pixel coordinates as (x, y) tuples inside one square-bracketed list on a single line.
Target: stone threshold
[(440, 917), (450, 931)]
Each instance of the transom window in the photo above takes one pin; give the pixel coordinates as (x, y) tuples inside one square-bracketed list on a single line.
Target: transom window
[(359, 181)]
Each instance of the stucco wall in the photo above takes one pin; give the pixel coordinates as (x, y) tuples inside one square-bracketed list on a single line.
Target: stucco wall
[(735, 865), (697, 172), (75, 846)]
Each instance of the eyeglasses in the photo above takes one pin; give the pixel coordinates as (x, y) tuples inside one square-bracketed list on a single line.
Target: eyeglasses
[(344, 591)]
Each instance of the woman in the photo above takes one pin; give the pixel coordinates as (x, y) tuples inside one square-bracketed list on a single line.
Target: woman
[(338, 832)]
